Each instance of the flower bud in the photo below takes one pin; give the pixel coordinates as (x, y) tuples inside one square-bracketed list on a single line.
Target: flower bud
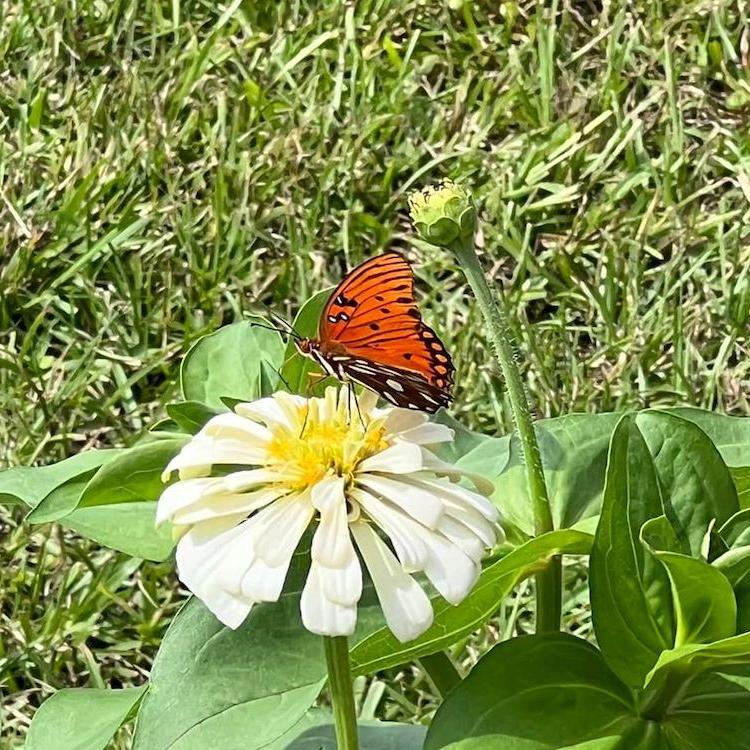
[(443, 214)]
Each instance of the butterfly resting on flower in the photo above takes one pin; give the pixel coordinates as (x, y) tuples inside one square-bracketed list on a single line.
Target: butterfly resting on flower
[(371, 332)]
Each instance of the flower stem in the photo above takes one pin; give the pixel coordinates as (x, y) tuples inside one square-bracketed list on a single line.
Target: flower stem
[(549, 580), (340, 684), (441, 672)]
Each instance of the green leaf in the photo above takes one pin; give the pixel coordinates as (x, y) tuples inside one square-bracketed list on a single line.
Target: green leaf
[(730, 435), (736, 531), (741, 478), (704, 605), (696, 484), (382, 650), (373, 735), (695, 658), (81, 718), (712, 711), (228, 362), (134, 475), (296, 366), (537, 692), (190, 416), (735, 565), (127, 527), (466, 442), (33, 483), (216, 687), (574, 455), (64, 498), (630, 594)]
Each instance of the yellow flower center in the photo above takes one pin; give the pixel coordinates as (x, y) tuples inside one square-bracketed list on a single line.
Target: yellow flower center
[(318, 447)]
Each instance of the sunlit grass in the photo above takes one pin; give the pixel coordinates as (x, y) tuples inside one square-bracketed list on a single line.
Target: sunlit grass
[(164, 166)]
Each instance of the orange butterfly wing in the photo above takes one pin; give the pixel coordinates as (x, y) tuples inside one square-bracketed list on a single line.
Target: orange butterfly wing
[(372, 329)]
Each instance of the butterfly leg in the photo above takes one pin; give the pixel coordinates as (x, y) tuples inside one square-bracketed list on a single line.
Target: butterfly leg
[(352, 396)]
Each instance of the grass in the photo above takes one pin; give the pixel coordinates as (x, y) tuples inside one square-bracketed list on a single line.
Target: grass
[(165, 165)]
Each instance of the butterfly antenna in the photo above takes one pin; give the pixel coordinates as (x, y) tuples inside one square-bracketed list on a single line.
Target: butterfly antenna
[(282, 325)]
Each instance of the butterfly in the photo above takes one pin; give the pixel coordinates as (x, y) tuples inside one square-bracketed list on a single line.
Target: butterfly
[(371, 332)]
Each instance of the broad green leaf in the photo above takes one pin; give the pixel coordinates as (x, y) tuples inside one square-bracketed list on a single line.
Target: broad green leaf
[(704, 605), (695, 658), (134, 475), (296, 366), (216, 687), (81, 718), (742, 596), (64, 498), (127, 527), (373, 735), (741, 479), (736, 531), (730, 435), (190, 416), (695, 482), (31, 484), (382, 650), (630, 594), (574, 455), (466, 441), (537, 692), (228, 362), (712, 712), (734, 564)]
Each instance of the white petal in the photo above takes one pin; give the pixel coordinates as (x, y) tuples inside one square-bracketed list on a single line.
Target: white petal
[(321, 615), (419, 503), (431, 462), (202, 452), (200, 555), (490, 533), (427, 434), (262, 583), (449, 569), (232, 426), (241, 481), (468, 542), (448, 490), (184, 493), (405, 605), (400, 420), (343, 585), (225, 505), (331, 545), (410, 549), (401, 458), (272, 411), (279, 528)]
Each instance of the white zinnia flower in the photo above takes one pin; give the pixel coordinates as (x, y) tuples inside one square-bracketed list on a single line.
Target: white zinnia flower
[(355, 471)]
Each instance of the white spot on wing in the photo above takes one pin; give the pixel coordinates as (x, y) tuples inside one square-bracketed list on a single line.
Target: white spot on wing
[(395, 385)]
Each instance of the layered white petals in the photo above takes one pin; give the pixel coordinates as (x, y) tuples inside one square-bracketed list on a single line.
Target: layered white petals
[(401, 458), (419, 504), (432, 463), (200, 557), (204, 451), (347, 469), (279, 528), (410, 549), (321, 614), (406, 607)]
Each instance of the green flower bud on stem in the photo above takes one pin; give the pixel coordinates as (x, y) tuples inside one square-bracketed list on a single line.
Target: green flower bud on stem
[(443, 214)]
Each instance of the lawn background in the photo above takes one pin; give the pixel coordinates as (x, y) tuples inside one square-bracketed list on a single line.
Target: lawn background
[(164, 166)]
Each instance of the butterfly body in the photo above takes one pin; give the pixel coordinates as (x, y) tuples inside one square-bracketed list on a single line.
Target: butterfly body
[(371, 332)]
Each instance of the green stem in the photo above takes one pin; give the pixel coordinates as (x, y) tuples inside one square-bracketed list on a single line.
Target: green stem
[(441, 672), (548, 581), (342, 697)]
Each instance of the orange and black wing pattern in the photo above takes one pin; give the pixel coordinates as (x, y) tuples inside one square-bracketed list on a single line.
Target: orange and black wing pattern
[(373, 330)]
